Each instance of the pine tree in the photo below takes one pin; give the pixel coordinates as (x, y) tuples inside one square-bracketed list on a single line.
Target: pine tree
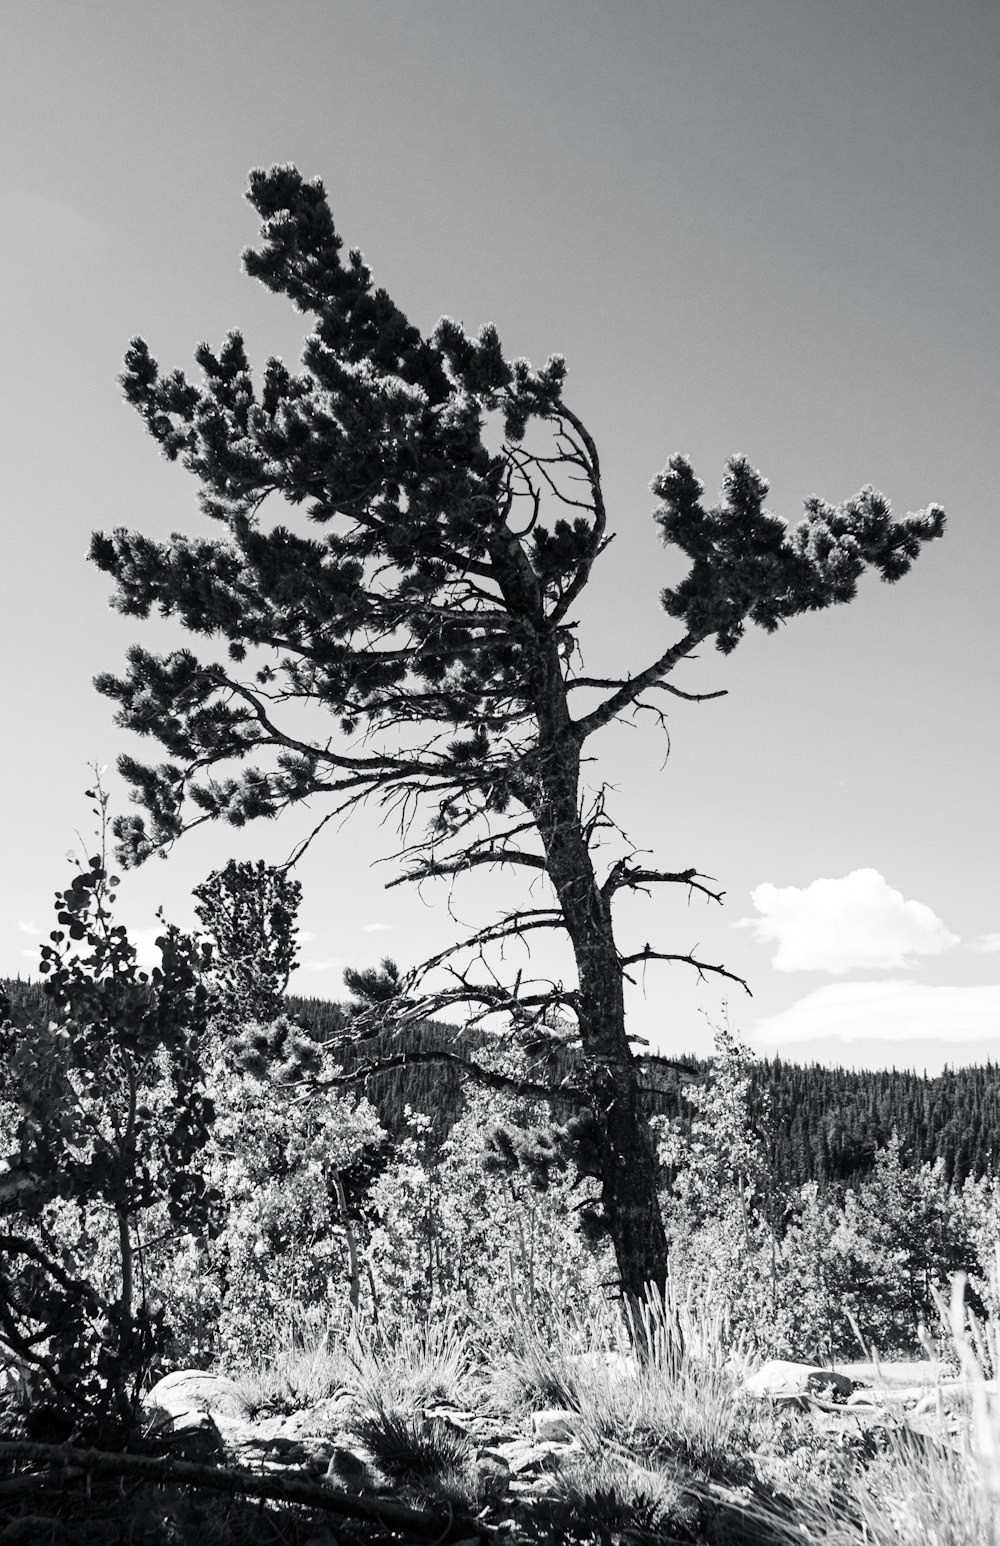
[(427, 605)]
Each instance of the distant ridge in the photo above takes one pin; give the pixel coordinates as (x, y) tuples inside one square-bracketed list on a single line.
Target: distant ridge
[(829, 1121)]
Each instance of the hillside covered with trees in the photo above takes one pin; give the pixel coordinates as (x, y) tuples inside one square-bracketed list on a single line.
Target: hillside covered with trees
[(827, 1123)]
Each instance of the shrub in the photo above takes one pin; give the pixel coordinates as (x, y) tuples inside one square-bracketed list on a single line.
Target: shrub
[(113, 1118)]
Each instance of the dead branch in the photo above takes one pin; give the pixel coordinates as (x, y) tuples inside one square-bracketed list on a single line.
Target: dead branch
[(622, 877), (425, 869), (701, 967), (634, 686), (620, 681), (509, 1084), (67, 1463)]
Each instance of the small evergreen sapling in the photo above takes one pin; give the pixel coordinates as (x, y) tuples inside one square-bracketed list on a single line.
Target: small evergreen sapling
[(250, 910), (293, 1155)]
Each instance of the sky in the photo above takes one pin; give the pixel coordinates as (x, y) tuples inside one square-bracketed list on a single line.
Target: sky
[(767, 227)]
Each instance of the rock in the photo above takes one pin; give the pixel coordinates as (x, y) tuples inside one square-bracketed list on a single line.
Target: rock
[(523, 1455), (897, 1396), (780, 1378), (192, 1390), (902, 1373), (194, 1435), (347, 1469), (494, 1476), (954, 1396), (554, 1425), (450, 1416), (155, 1418)]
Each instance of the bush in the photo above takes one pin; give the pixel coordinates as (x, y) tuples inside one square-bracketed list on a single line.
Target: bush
[(112, 1122)]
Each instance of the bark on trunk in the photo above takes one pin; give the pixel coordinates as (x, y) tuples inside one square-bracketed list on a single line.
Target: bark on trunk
[(549, 786), (624, 1141)]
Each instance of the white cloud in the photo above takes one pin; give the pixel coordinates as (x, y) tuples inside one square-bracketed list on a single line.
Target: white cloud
[(305, 935), (30, 928), (896, 1010), (375, 928), (986, 944), (842, 925), (335, 963)]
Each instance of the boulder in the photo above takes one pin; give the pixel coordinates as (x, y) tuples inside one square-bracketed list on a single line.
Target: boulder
[(955, 1396), (347, 1469), (779, 1378), (493, 1472), (554, 1425), (193, 1390), (532, 1455)]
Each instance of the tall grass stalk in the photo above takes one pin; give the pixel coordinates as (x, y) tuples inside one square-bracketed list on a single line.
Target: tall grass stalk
[(416, 1365), (308, 1364), (674, 1331), (553, 1360), (941, 1489)]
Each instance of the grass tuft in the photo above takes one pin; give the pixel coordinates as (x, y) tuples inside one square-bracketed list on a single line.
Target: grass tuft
[(408, 1446), (609, 1499), (306, 1367), (419, 1365)]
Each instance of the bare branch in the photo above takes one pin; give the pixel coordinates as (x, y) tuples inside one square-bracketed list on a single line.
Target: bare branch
[(634, 685), (510, 925), (622, 877), (701, 967), (491, 1078), (433, 867), (618, 682)]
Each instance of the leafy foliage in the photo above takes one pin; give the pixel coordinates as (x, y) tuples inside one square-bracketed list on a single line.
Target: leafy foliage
[(803, 1268), (454, 1233), (290, 1233), (113, 1117), (826, 1123)]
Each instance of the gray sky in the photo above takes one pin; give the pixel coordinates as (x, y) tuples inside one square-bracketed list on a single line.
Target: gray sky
[(766, 226)]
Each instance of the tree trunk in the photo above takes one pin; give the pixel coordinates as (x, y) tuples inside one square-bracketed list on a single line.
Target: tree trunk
[(549, 786), (624, 1142), (352, 1244)]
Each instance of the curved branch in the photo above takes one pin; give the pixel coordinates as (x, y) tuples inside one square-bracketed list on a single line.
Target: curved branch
[(510, 925), (425, 869), (492, 1079), (701, 967), (618, 682)]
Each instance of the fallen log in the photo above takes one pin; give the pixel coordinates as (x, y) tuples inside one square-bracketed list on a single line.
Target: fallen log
[(436, 1525)]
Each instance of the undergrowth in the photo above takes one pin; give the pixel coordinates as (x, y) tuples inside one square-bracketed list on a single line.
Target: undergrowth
[(666, 1448)]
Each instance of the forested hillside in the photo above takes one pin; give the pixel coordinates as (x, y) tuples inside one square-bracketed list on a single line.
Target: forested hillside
[(828, 1122)]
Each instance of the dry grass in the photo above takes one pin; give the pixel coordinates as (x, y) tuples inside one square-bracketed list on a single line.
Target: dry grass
[(664, 1435), (308, 1365), (939, 1489), (419, 1365)]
